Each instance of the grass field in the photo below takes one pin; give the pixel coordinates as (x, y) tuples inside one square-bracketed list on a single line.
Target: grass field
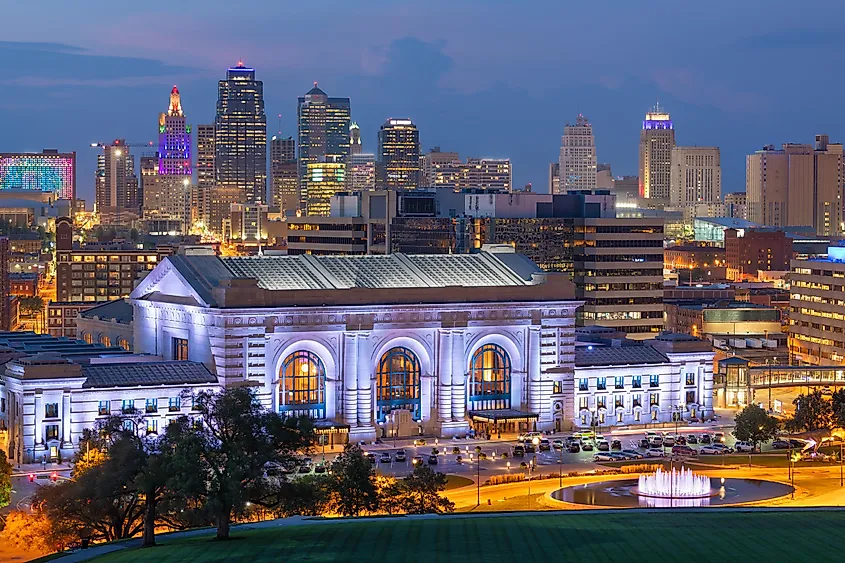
[(709, 535)]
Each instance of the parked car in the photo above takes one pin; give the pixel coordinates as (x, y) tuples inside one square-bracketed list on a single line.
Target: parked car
[(371, 457), (603, 446), (616, 444), (744, 447), (644, 443), (574, 448), (586, 445), (400, 456), (432, 459), (619, 456), (417, 460), (633, 454), (385, 458), (719, 437), (668, 441), (557, 444), (49, 477), (655, 442), (320, 468), (705, 439), (710, 450), (529, 448), (305, 469), (654, 452), (603, 457), (781, 444), (419, 442), (797, 443), (680, 441), (518, 451), (683, 451), (723, 447), (528, 436), (545, 445), (692, 439)]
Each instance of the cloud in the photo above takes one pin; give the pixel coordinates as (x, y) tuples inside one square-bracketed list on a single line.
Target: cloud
[(794, 38), (697, 88), (33, 46)]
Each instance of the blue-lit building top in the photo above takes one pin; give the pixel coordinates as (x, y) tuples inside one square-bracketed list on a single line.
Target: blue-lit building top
[(657, 120), (174, 140)]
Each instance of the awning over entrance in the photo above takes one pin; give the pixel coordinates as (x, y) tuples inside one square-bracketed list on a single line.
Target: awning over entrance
[(503, 415), (329, 427)]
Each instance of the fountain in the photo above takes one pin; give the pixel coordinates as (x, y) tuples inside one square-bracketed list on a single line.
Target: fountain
[(680, 484)]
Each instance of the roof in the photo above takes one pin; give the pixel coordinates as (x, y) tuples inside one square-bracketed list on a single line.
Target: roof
[(676, 337), (315, 91), (30, 344), (119, 310), (617, 356), (146, 374), (394, 271), (729, 222)]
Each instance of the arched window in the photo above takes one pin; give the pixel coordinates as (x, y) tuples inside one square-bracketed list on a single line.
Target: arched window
[(123, 343), (88, 338), (491, 378), (105, 340), (398, 378), (302, 385)]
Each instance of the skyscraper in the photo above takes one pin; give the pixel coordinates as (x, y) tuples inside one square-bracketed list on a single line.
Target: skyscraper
[(240, 135), (657, 139), (488, 174), (322, 181), (440, 169), (201, 196), (577, 156), (361, 172), (696, 176), (355, 146), (324, 128), (284, 185), (118, 197), (398, 155)]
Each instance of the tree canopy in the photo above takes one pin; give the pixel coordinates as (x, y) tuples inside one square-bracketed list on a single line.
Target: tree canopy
[(754, 425)]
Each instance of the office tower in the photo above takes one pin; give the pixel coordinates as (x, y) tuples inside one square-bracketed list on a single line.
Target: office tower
[(398, 155), (797, 185), (554, 177), (604, 177), (5, 289), (748, 251), (355, 146), (736, 205), (696, 176), (361, 172), (118, 198), (816, 324), (240, 135), (324, 129), (167, 189), (205, 174), (441, 169), (284, 183), (657, 139), (577, 156), (322, 181), (488, 174), (48, 171)]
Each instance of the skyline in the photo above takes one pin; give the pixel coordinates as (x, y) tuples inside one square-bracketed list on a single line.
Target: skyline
[(466, 92)]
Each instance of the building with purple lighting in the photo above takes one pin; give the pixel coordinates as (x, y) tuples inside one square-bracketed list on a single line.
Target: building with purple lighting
[(657, 139), (48, 171)]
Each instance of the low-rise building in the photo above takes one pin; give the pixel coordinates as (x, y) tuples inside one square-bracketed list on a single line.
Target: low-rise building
[(722, 318), (109, 324), (817, 309), (62, 315)]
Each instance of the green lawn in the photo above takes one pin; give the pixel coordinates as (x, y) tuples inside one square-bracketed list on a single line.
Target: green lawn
[(709, 535)]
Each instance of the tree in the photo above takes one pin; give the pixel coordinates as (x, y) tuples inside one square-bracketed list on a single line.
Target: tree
[(31, 305), (423, 489), (34, 532), (837, 403), (5, 480), (754, 425), (813, 413), (391, 494), (307, 496), (354, 482), (217, 461)]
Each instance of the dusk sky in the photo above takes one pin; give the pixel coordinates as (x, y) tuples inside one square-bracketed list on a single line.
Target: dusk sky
[(482, 77)]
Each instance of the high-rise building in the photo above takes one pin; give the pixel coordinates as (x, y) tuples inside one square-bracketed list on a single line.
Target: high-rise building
[(487, 174), (798, 185), (554, 177), (167, 191), (398, 155), (696, 176), (577, 156), (355, 146), (5, 286), (240, 135), (324, 129), (736, 205), (200, 197), (284, 183), (361, 172), (118, 198), (322, 181), (440, 169), (657, 139), (748, 251), (48, 172)]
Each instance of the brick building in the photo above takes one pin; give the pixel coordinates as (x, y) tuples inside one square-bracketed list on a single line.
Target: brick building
[(748, 251)]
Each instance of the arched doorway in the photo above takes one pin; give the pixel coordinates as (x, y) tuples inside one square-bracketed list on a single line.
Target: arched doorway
[(302, 385), (490, 378), (398, 380)]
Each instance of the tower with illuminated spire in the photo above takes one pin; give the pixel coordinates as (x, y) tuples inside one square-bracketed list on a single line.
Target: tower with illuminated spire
[(657, 139), (174, 139)]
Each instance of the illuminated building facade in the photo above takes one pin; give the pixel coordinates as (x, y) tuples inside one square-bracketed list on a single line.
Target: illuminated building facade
[(200, 199), (577, 170), (322, 181), (657, 139), (324, 129), (440, 169), (355, 146), (487, 174), (48, 171), (361, 172), (118, 195), (284, 182), (398, 155), (240, 135), (696, 176)]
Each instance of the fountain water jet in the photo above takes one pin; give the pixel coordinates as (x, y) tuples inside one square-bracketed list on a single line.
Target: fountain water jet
[(681, 484)]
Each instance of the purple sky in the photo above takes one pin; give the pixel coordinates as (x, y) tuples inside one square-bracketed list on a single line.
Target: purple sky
[(482, 77)]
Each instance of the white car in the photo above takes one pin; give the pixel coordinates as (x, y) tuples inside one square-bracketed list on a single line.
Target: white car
[(744, 447), (604, 457), (654, 452), (711, 450)]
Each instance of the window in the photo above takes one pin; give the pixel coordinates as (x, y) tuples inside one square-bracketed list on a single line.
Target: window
[(636, 416), (127, 406), (583, 402), (654, 399), (601, 402), (302, 386), (601, 385), (654, 415), (637, 382), (151, 405), (601, 417), (582, 385), (398, 383), (619, 382), (654, 381), (174, 404), (3, 404), (557, 388), (152, 426), (619, 401), (123, 343), (690, 397), (88, 338), (180, 349), (491, 378), (638, 400), (52, 431), (129, 425), (105, 340), (51, 410), (103, 408), (690, 378)]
